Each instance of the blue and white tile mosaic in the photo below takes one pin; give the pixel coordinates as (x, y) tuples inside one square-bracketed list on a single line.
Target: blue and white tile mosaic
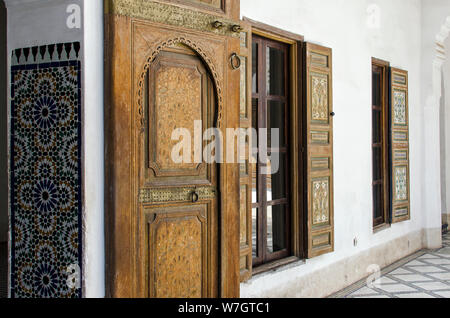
[(46, 171)]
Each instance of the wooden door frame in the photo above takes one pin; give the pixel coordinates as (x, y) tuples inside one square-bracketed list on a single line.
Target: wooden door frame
[(122, 119), (297, 160)]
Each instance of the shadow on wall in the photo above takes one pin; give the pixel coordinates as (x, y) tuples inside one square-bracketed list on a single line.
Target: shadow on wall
[(3, 129), (3, 157), (444, 164)]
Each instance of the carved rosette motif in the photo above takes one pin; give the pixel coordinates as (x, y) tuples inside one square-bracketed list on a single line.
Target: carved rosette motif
[(319, 105), (399, 107), (206, 59), (321, 199), (401, 184)]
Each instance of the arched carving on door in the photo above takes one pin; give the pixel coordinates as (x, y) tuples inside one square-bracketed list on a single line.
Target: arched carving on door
[(206, 59), (179, 201)]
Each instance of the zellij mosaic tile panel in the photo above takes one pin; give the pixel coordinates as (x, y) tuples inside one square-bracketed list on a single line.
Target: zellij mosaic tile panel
[(46, 171)]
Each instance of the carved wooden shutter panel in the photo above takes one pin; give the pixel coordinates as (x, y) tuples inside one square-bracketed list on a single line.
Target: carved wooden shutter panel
[(245, 170), (319, 141), (399, 120)]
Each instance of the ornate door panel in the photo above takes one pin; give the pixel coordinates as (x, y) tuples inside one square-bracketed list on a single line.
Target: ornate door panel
[(180, 93), (168, 70), (181, 241), (181, 253)]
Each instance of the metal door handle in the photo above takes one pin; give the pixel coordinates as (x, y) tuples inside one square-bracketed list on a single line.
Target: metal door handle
[(195, 197), (235, 61)]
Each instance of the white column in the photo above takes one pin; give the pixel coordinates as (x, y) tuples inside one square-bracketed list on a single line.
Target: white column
[(94, 241), (446, 72)]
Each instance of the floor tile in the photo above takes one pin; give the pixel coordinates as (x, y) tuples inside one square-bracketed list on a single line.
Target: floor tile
[(385, 280), (373, 296), (400, 271), (415, 263), (397, 288), (413, 278), (441, 276), (445, 294), (428, 256), (413, 295), (432, 286), (427, 269), (444, 252), (426, 276), (439, 261), (364, 291)]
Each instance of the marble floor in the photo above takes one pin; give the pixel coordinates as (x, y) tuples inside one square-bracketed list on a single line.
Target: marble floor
[(425, 274)]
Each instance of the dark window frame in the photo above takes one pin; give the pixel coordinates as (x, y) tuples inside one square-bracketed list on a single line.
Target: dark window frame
[(263, 98), (297, 158), (381, 175)]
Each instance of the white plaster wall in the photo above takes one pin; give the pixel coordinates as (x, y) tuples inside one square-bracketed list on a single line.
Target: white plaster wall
[(39, 22), (343, 26), (94, 239), (434, 16)]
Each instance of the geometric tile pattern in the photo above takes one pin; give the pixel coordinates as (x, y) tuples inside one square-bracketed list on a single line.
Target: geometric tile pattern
[(46, 172), (426, 276)]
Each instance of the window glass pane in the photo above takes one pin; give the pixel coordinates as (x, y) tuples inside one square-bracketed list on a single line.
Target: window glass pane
[(276, 228), (276, 118), (275, 72), (376, 126), (276, 182), (254, 183), (255, 113), (255, 155), (377, 166), (377, 201), (254, 232), (255, 67)]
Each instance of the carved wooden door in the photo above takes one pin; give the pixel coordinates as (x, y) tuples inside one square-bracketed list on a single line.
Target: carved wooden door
[(172, 70), (179, 199)]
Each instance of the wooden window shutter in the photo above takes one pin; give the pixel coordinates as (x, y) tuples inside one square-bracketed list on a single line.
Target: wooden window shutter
[(319, 142), (246, 169), (399, 121)]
